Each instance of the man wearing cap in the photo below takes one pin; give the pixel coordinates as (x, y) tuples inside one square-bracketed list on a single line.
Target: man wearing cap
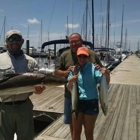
[(66, 61), (16, 111)]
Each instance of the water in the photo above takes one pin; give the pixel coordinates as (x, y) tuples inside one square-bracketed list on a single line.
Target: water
[(39, 126)]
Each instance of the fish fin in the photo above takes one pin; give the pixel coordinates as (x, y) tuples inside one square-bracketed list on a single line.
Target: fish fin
[(72, 111), (75, 114)]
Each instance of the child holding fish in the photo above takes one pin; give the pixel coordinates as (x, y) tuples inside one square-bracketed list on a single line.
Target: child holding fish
[(83, 80)]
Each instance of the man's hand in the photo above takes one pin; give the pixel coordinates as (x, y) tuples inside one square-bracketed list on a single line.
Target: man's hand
[(103, 71), (39, 89), (66, 72), (74, 79)]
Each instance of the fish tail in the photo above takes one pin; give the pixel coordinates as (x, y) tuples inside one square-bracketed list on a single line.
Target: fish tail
[(76, 69), (75, 113)]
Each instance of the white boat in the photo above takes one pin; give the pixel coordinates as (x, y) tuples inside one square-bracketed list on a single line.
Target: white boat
[(47, 70), (107, 57)]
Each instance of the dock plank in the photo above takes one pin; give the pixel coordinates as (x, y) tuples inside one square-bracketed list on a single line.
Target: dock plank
[(51, 100)]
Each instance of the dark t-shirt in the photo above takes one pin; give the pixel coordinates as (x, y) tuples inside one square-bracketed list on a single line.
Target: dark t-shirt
[(69, 58)]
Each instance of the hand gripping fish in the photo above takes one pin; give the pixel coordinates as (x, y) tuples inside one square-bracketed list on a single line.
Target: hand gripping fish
[(75, 93), (103, 94), (14, 84)]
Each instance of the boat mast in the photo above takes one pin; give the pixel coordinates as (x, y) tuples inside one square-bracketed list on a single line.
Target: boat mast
[(107, 24), (86, 19), (125, 45), (93, 23), (122, 28), (28, 33), (4, 28), (67, 34), (41, 33), (108, 6)]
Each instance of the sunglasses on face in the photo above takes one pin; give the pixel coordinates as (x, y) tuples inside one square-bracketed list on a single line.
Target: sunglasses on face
[(82, 56), (12, 39), (75, 42)]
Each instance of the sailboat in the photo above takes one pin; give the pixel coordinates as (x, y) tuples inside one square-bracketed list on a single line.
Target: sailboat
[(3, 47), (119, 48), (108, 61), (106, 54)]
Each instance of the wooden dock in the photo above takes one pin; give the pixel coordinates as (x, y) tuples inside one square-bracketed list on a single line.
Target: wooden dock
[(123, 119)]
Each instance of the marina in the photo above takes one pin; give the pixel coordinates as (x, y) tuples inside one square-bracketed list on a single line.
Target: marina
[(122, 121), (111, 29)]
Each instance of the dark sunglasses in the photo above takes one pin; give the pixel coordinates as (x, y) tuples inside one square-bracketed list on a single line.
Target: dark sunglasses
[(82, 56), (17, 39)]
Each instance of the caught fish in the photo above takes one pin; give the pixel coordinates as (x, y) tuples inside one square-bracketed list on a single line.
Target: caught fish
[(103, 94), (75, 93), (13, 84)]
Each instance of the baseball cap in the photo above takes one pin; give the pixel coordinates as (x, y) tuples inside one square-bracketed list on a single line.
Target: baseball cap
[(83, 50), (12, 32)]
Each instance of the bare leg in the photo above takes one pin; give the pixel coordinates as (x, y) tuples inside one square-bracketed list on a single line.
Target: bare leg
[(71, 130), (89, 123), (77, 126)]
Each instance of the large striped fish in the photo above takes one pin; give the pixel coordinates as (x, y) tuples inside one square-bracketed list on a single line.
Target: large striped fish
[(103, 94), (13, 84), (75, 93)]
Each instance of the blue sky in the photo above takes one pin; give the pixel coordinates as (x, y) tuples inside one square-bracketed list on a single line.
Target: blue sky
[(57, 14)]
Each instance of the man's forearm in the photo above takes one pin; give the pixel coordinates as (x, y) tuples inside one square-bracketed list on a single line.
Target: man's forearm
[(60, 73)]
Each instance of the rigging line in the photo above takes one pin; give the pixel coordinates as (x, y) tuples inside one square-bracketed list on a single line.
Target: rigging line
[(79, 16), (115, 25), (70, 8), (100, 22), (90, 21), (2, 29), (71, 12), (89, 13), (1, 32), (51, 15)]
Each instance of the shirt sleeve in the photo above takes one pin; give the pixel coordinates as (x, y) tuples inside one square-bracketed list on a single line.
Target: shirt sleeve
[(69, 76), (60, 64), (98, 60), (97, 75)]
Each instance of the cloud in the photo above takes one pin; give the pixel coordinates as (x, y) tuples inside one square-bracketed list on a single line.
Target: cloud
[(125, 22), (33, 21), (2, 12), (72, 25), (24, 25), (35, 38), (133, 21)]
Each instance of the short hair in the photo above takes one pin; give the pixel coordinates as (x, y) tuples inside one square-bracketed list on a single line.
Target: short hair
[(76, 34)]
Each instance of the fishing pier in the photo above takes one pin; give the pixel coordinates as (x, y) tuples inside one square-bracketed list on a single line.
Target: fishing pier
[(122, 121)]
